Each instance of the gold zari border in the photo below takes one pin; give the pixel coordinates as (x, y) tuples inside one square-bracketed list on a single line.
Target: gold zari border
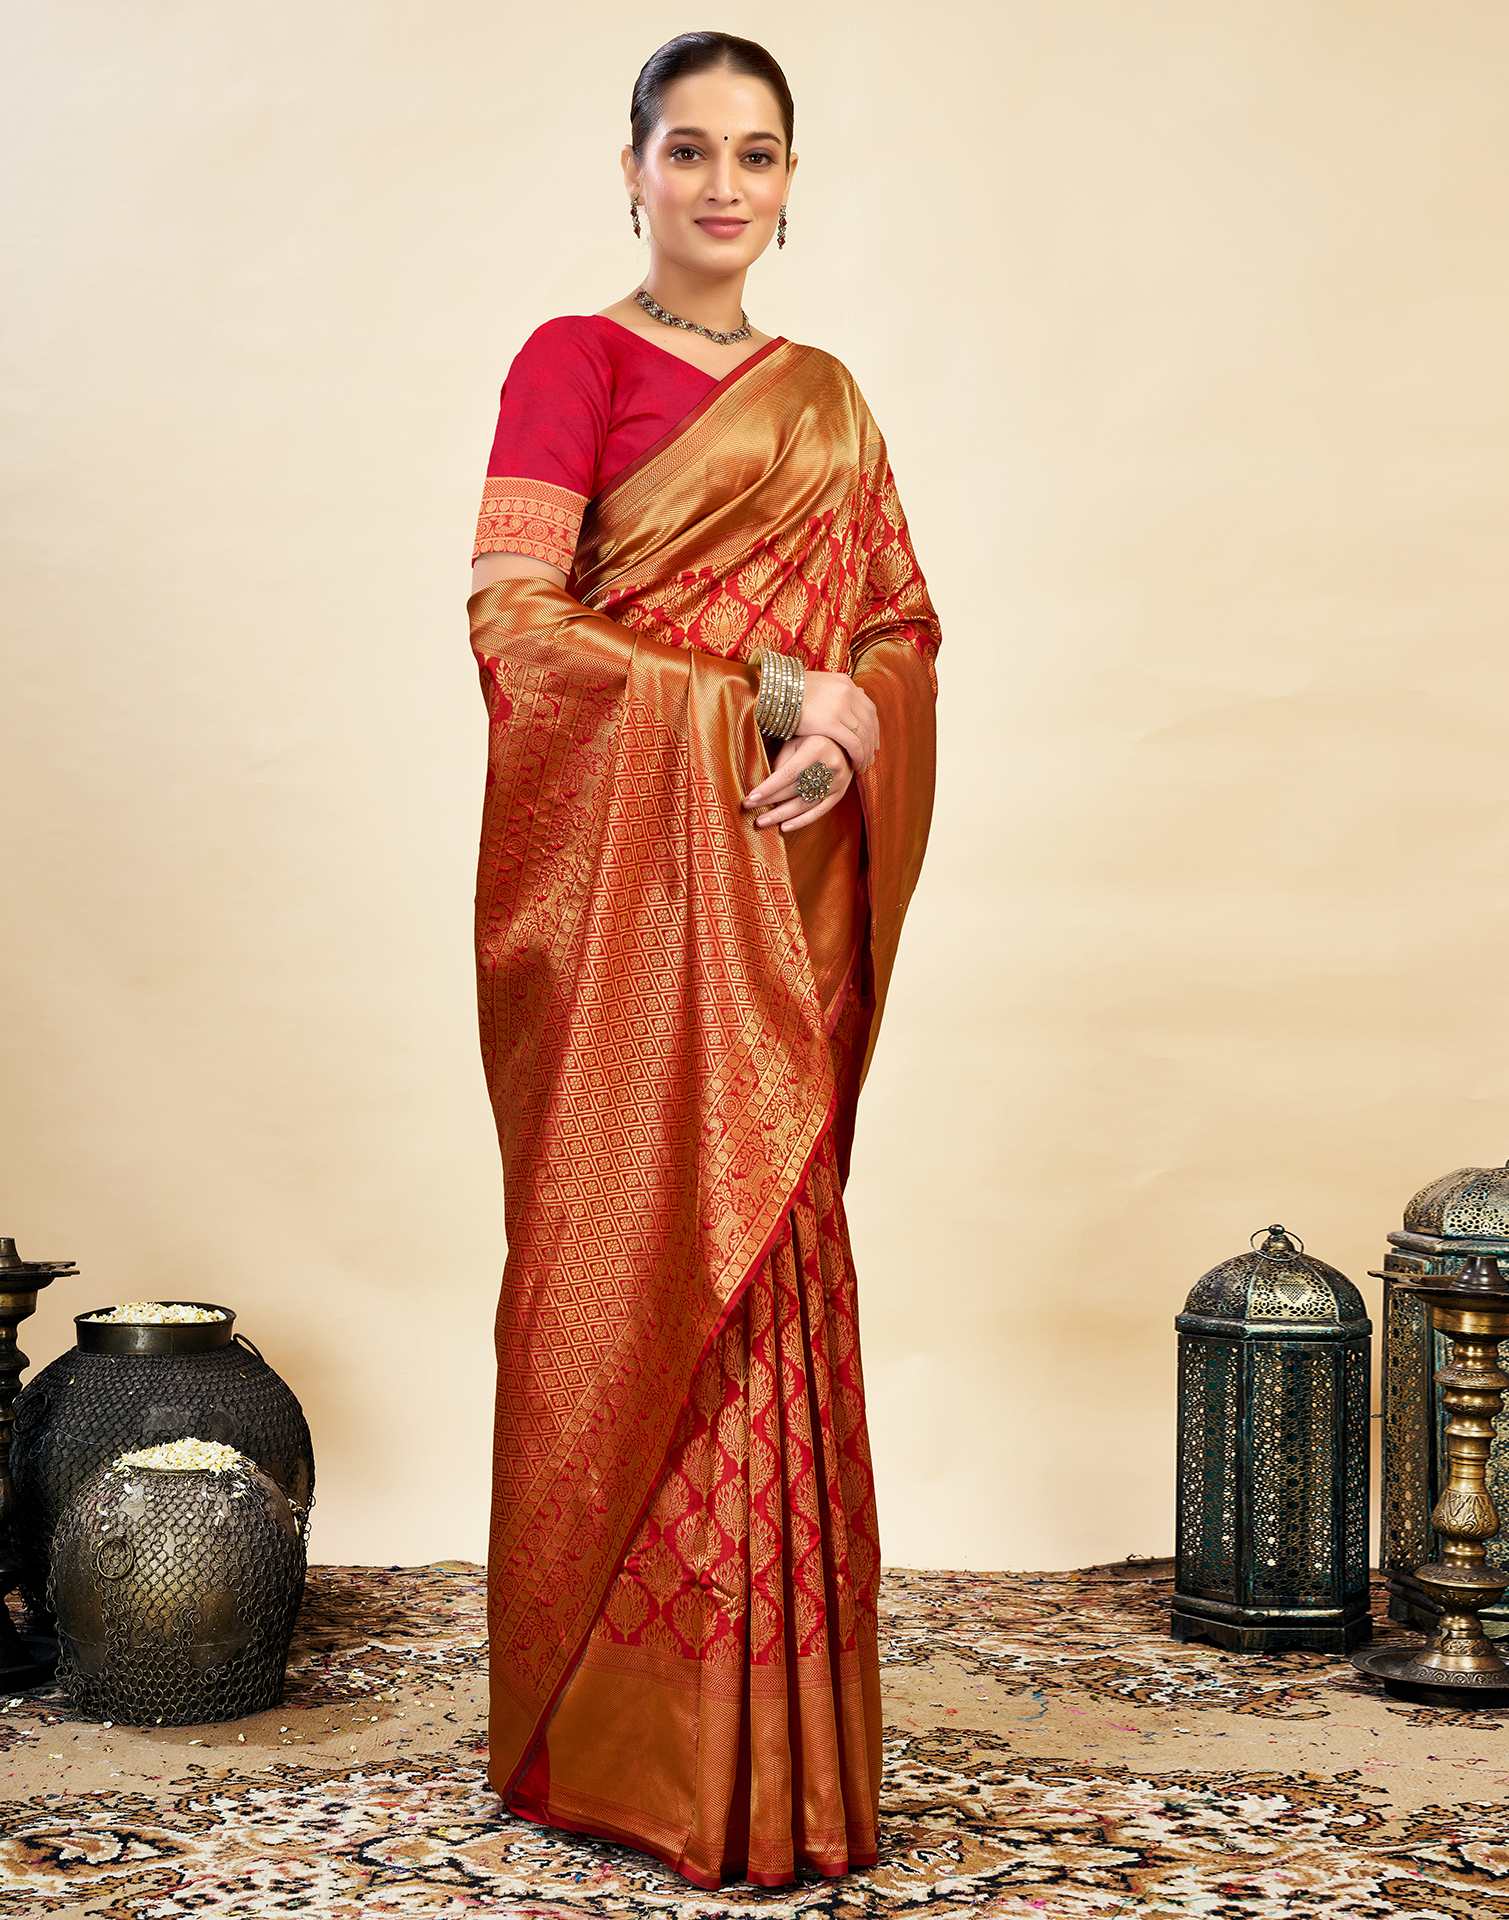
[(520, 515)]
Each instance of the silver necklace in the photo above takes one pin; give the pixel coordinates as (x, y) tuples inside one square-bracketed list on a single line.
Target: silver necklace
[(652, 306)]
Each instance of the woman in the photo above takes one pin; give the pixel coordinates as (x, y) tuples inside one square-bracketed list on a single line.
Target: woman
[(683, 948)]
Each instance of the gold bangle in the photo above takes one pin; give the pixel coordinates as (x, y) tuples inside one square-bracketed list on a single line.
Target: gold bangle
[(778, 704)]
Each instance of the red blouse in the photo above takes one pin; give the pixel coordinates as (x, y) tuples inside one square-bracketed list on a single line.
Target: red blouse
[(583, 398)]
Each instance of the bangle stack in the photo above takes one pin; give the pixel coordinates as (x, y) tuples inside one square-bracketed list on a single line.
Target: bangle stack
[(778, 704)]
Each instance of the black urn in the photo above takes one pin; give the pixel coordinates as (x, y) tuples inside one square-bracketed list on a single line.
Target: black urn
[(135, 1383), (175, 1587)]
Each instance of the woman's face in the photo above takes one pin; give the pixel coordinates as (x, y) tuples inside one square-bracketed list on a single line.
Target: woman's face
[(717, 151)]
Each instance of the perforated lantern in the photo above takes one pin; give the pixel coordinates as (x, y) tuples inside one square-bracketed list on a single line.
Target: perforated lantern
[(1271, 1537), (1462, 1214)]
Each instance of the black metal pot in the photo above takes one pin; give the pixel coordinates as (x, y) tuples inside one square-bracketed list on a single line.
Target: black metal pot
[(132, 1384), (175, 1592)]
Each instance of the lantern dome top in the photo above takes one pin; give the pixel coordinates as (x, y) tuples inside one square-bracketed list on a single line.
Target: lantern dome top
[(1470, 1204), (1276, 1282)]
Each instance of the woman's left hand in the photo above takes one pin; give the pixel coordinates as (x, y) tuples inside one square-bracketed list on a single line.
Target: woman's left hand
[(777, 793)]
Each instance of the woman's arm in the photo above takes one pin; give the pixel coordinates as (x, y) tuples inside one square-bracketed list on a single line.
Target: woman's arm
[(488, 567)]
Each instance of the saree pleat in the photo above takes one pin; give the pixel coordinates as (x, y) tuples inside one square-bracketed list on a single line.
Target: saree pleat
[(677, 1013), (725, 1714)]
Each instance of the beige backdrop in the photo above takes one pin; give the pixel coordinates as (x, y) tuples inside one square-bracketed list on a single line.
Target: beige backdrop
[(1185, 325)]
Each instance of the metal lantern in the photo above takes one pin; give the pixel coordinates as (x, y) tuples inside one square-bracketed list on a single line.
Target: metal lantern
[(1459, 1217), (134, 1384), (1271, 1544)]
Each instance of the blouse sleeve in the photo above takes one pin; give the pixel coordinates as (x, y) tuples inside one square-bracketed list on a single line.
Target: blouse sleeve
[(553, 416)]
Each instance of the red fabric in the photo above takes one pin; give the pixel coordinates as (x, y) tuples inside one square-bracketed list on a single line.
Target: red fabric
[(583, 397), (758, 1560)]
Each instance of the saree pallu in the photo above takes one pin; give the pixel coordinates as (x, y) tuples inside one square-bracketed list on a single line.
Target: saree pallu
[(677, 1012)]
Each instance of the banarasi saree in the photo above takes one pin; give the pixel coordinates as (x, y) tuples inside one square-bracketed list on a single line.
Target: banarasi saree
[(677, 1012)]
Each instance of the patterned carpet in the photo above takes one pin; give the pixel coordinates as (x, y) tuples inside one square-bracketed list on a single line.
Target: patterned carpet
[(1050, 1752)]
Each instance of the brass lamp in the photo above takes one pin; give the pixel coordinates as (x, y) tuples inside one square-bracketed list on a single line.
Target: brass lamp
[(28, 1655), (1457, 1666), (1453, 1220)]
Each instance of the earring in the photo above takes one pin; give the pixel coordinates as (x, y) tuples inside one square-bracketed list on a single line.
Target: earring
[(780, 228), (634, 216)]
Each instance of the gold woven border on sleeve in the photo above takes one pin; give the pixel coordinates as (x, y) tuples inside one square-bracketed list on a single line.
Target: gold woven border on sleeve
[(520, 515)]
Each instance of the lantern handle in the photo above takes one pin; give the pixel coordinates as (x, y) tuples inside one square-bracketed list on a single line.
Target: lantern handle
[(1282, 1232)]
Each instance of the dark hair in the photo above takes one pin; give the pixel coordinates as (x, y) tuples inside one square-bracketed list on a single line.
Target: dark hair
[(698, 53)]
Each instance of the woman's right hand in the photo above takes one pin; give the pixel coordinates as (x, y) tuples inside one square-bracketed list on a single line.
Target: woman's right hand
[(837, 706)]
